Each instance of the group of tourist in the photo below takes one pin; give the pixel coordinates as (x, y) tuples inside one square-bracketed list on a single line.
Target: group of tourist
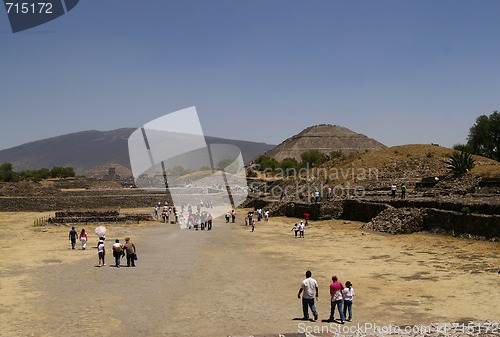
[(73, 236), (261, 214), (230, 216), (119, 250), (199, 219), (340, 297), (394, 189), (167, 214), (299, 229), (202, 220)]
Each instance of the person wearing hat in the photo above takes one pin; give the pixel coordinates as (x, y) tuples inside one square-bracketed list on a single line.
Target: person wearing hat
[(129, 248), (72, 237)]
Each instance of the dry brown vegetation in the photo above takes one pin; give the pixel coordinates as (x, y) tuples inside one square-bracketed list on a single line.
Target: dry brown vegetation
[(413, 162)]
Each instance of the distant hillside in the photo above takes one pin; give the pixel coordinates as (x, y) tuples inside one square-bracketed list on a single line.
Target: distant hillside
[(326, 138), (89, 150), (404, 163)]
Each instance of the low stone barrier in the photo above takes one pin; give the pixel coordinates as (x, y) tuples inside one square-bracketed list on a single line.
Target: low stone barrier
[(66, 201), (94, 216)]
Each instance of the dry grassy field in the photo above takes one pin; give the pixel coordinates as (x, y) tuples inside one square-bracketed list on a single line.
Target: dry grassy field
[(231, 281)]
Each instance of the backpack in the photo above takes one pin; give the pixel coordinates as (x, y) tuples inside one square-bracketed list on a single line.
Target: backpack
[(118, 249)]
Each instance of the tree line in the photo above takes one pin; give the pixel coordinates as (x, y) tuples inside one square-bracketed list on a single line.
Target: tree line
[(7, 174), (309, 158), (484, 137)]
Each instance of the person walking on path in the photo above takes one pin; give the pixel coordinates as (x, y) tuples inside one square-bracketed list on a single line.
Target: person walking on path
[(348, 295), (233, 216), (393, 190), (209, 221), (306, 217), (101, 252), (253, 225), (83, 238), (129, 248), (403, 191), (72, 237), (117, 252), (295, 229), (336, 298), (301, 229), (309, 287)]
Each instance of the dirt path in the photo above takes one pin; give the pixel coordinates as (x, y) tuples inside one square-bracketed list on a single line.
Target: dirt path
[(233, 282)]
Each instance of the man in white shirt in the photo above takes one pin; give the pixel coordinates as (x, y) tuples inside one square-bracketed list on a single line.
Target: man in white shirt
[(301, 229), (310, 288)]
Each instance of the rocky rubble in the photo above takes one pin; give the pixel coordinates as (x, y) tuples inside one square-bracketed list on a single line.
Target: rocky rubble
[(398, 221)]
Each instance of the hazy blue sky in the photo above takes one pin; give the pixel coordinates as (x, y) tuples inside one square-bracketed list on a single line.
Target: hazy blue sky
[(398, 71)]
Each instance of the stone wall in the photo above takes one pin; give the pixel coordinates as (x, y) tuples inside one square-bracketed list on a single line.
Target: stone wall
[(297, 210), (360, 210), (95, 216), (455, 223), (485, 226), (452, 205), (76, 202)]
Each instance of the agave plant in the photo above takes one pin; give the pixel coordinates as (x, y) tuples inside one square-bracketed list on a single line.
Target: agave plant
[(460, 162)]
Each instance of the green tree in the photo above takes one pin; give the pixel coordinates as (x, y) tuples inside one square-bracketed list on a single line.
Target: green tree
[(266, 163), (178, 170), (336, 154), (7, 174), (223, 164), (484, 136), (460, 162), (230, 166), (463, 148), (312, 157), (62, 172), (289, 163)]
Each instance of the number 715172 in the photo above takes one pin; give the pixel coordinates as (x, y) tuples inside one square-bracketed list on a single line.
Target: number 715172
[(29, 8)]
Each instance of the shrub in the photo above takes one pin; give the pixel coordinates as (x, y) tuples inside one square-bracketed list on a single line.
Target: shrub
[(460, 162)]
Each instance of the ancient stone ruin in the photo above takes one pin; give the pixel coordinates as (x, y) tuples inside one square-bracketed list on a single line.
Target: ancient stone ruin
[(95, 216)]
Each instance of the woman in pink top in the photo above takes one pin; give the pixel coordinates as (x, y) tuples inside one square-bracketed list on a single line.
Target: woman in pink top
[(83, 238), (337, 300)]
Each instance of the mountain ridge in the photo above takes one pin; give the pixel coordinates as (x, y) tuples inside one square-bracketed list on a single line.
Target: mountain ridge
[(91, 149)]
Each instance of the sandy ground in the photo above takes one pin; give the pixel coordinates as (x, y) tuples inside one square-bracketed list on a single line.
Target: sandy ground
[(231, 281)]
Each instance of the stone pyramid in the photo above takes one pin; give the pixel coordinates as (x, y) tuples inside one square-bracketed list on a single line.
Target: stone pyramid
[(326, 138)]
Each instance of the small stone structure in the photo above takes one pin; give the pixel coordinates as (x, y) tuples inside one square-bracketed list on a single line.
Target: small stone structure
[(95, 216)]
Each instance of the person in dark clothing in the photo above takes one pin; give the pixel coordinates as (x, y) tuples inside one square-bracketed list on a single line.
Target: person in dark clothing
[(73, 235)]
